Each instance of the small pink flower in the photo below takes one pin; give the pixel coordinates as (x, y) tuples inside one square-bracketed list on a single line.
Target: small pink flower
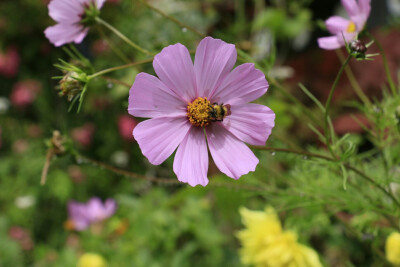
[(9, 63), (344, 28), (190, 103), (70, 15), (24, 93), (84, 214), (126, 124)]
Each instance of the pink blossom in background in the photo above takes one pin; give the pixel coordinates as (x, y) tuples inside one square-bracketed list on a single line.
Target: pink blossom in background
[(22, 236), (346, 28), (178, 105), (9, 62), (24, 93), (126, 124), (83, 215), (69, 14), (83, 134)]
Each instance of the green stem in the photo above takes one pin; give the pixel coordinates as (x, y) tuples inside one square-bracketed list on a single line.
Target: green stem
[(174, 20), (102, 72), (328, 104), (122, 36), (385, 64), (353, 81)]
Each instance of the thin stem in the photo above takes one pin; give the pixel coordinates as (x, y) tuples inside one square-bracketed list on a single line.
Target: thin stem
[(174, 20), (168, 181), (348, 166), (122, 36), (45, 170), (328, 104), (112, 80), (102, 72), (385, 64), (353, 81), (282, 90)]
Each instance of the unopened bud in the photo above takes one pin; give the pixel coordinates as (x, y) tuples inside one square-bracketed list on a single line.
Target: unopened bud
[(358, 46), (70, 85)]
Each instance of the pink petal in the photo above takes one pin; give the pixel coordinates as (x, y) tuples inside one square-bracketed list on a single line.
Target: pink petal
[(174, 67), (78, 214), (242, 85), (66, 11), (159, 137), (365, 7), (61, 34), (329, 43), (337, 24), (351, 7), (150, 98), (251, 123), (110, 207), (79, 38), (95, 209), (100, 3), (191, 159), (213, 61), (231, 155)]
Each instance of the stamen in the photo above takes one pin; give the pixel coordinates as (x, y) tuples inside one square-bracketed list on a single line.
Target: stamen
[(351, 27), (198, 112)]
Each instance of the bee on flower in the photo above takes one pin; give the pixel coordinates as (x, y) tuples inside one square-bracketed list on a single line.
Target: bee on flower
[(191, 103)]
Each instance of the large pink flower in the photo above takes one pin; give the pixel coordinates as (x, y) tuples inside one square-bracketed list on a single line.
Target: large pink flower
[(180, 103), (348, 29), (70, 15)]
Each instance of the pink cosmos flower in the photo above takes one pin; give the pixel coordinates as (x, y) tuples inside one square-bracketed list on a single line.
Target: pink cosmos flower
[(189, 104), (83, 134), (24, 93), (73, 17), (346, 28), (84, 214), (9, 62)]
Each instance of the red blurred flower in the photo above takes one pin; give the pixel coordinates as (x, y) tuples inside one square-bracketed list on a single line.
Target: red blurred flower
[(24, 93), (22, 236), (100, 46), (9, 62), (126, 124), (84, 134)]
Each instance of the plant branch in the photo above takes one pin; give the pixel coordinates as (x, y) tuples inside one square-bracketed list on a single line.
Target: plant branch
[(99, 73), (174, 20), (122, 36), (328, 104)]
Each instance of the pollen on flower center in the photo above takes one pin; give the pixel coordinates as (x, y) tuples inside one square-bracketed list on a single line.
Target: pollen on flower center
[(351, 27), (198, 112)]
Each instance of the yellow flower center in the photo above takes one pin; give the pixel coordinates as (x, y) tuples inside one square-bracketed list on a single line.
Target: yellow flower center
[(351, 27), (198, 112)]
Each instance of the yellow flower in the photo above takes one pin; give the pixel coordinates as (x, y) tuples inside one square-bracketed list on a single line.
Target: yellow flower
[(393, 248), (265, 244), (91, 260)]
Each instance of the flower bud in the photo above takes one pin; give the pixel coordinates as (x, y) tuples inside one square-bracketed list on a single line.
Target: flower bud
[(357, 46), (70, 85)]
